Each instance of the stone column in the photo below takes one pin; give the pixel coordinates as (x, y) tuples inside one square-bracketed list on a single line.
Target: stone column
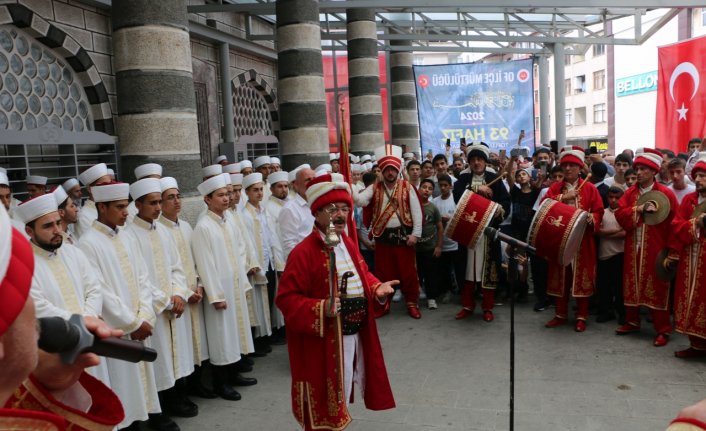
[(405, 120), (303, 133), (226, 100), (364, 82), (156, 107)]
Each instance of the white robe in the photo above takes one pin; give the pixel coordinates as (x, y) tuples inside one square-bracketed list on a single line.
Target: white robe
[(273, 208), (213, 245), (256, 228), (63, 284), (171, 336), (86, 216), (127, 302), (181, 231), (251, 261)]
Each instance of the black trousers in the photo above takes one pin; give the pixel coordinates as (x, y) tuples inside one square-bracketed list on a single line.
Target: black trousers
[(428, 271), (610, 285), (452, 270), (540, 270)]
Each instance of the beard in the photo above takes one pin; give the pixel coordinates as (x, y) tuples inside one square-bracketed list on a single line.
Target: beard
[(48, 246)]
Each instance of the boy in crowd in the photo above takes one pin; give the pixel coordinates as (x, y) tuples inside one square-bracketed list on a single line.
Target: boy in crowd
[(610, 262), (452, 265), (429, 245), (677, 174), (630, 178)]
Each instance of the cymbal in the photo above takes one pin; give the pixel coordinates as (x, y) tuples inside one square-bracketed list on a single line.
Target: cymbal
[(661, 201), (699, 209), (664, 274)]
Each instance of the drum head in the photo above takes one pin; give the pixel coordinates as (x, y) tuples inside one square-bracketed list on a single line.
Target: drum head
[(573, 242)]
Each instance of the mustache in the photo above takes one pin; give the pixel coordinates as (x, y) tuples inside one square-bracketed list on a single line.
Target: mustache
[(339, 220)]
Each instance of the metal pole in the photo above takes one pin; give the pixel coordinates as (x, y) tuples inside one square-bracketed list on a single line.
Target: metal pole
[(226, 96), (544, 126), (559, 99)]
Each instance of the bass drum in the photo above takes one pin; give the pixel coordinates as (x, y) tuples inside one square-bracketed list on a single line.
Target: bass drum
[(556, 231), (473, 214)]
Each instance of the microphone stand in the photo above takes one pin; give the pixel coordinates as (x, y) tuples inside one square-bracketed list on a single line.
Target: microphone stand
[(512, 276)]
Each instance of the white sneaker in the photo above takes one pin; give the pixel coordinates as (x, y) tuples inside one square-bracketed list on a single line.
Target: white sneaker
[(422, 295), (397, 297), (431, 304)]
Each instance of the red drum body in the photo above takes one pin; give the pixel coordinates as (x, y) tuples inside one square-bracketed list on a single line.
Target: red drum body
[(556, 231), (473, 214)]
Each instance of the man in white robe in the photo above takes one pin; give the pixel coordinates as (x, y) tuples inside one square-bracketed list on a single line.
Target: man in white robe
[(295, 220), (68, 211), (127, 303), (172, 332), (213, 244), (147, 170), (9, 202), (256, 226), (181, 232), (63, 283), (278, 183), (93, 176)]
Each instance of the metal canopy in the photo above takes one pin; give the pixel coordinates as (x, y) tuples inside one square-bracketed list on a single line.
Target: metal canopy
[(498, 26)]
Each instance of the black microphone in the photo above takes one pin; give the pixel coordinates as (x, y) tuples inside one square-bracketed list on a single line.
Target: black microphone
[(70, 338), (495, 234)]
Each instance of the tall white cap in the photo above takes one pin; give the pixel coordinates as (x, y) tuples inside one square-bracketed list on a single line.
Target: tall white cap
[(91, 175), (324, 167), (3, 170), (70, 184), (145, 186), (252, 179), (365, 158), (261, 161), (236, 179), (277, 177), (211, 170), (356, 168), (60, 195), (275, 161), (147, 169), (221, 158), (4, 180), (111, 173), (35, 208), (36, 179), (333, 156), (211, 185), (368, 166), (167, 183), (233, 168), (226, 178), (110, 192), (245, 164)]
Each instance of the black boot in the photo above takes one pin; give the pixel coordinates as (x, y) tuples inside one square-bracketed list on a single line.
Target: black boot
[(196, 387), (221, 385), (161, 422), (241, 366), (176, 402), (278, 337), (237, 379), (262, 347)]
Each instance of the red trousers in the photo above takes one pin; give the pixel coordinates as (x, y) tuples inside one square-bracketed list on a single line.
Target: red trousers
[(660, 318), (468, 298), (398, 262), (562, 302), (697, 343)]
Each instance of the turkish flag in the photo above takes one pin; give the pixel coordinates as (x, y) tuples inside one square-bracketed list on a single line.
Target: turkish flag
[(681, 94)]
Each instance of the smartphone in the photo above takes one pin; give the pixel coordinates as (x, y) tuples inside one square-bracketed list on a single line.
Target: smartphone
[(503, 154)]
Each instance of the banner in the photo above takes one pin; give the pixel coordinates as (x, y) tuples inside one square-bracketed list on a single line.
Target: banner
[(681, 101), (488, 102)]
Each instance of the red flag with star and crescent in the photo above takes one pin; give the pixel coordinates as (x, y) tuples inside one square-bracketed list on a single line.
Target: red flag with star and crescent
[(681, 94)]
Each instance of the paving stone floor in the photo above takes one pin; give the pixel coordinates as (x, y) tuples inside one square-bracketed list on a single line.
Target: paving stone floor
[(454, 375)]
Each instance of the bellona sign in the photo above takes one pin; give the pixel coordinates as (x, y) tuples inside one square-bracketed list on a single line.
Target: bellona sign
[(641, 83)]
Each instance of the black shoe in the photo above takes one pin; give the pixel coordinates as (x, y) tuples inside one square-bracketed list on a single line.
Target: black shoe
[(201, 391), (239, 380), (257, 354), (241, 367), (183, 408), (161, 422), (277, 340), (227, 392), (244, 359), (262, 347), (135, 426), (540, 306), (605, 317)]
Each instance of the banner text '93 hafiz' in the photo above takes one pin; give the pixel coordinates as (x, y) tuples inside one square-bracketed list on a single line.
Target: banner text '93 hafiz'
[(488, 102)]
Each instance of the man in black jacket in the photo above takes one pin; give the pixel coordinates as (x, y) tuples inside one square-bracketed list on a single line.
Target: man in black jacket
[(483, 261)]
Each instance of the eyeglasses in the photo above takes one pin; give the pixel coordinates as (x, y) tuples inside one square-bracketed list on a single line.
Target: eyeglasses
[(334, 210)]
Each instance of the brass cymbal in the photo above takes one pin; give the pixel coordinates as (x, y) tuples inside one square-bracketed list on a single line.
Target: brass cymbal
[(664, 274), (699, 209), (661, 201)]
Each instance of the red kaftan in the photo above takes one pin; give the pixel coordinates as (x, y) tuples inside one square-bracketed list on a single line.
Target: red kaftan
[(641, 286)]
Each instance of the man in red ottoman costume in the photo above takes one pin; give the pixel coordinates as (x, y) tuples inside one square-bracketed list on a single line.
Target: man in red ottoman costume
[(578, 278), (330, 349), (643, 242), (36, 389), (689, 238)]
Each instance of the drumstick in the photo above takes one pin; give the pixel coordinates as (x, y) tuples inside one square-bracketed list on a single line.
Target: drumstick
[(496, 179), (588, 177)]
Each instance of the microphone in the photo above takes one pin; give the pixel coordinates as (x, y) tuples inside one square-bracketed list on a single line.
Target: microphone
[(495, 234), (70, 338)]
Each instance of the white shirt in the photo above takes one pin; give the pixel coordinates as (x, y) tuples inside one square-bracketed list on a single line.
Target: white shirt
[(295, 223), (683, 192), (447, 208), (86, 217), (609, 247)]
